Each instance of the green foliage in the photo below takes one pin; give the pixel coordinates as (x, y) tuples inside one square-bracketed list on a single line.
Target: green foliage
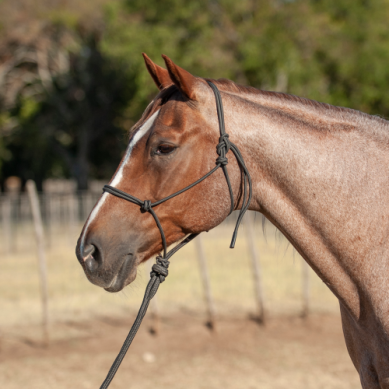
[(29, 107), (71, 130), (336, 51), (333, 51), (355, 55)]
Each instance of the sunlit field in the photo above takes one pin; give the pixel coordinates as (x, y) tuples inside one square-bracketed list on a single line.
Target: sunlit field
[(88, 325), (72, 297)]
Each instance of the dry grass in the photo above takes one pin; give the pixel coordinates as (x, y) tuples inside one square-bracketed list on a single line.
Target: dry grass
[(288, 353), (88, 325), (72, 297)]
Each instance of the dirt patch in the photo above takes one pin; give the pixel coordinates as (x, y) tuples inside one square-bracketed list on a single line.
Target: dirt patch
[(288, 352)]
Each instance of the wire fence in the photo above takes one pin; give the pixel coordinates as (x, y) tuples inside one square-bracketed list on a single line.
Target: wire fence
[(60, 213), (262, 275)]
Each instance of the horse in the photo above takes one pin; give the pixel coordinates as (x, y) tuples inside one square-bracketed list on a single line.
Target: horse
[(319, 173)]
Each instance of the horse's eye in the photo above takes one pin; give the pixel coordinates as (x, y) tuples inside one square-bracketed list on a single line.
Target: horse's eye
[(165, 149)]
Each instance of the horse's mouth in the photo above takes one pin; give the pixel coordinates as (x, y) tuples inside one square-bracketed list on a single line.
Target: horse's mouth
[(125, 275)]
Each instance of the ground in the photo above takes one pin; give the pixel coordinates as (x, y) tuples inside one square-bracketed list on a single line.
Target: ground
[(88, 325), (288, 352)]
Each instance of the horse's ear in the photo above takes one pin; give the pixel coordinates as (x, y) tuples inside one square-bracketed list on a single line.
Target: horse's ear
[(183, 80), (160, 75)]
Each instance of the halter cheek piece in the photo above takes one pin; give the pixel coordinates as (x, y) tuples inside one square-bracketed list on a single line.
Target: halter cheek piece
[(160, 268)]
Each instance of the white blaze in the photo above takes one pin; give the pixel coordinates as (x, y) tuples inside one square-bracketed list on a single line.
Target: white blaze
[(119, 174)]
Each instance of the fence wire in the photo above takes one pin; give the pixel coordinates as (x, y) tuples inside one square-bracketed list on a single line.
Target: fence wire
[(72, 298)]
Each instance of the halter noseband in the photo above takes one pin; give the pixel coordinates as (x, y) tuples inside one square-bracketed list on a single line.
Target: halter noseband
[(160, 269)]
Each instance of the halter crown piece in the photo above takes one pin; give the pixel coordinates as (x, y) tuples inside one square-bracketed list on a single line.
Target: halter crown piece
[(160, 268)]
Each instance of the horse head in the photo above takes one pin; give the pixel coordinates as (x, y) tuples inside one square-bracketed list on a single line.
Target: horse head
[(170, 147)]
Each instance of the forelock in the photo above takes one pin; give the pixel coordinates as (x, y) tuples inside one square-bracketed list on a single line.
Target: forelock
[(166, 94)]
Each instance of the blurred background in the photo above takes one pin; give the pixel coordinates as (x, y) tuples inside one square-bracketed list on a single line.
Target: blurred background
[(72, 82)]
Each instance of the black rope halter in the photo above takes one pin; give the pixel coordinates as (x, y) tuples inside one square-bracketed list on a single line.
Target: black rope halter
[(160, 268)]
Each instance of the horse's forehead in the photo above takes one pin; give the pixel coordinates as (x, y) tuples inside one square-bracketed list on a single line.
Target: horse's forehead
[(175, 114)]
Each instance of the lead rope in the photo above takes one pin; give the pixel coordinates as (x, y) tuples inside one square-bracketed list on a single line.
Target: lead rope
[(160, 268), (158, 274)]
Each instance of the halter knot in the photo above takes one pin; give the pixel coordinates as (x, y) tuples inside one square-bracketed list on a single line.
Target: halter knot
[(221, 161), (160, 269), (224, 145), (146, 206)]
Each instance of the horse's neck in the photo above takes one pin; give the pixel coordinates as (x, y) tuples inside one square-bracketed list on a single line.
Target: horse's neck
[(313, 175)]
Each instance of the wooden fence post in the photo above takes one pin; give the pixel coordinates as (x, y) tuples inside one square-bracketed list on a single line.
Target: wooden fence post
[(47, 210), (306, 289), (256, 266), (6, 223), (206, 283), (36, 214)]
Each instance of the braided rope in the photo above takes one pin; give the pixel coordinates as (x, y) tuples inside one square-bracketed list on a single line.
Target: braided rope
[(158, 274)]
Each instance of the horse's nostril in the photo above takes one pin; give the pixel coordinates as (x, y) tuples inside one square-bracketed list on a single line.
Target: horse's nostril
[(91, 264), (88, 250)]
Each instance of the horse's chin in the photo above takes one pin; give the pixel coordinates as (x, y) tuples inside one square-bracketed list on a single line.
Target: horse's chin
[(124, 277)]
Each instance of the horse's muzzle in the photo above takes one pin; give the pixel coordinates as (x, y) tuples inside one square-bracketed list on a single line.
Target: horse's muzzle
[(113, 276), (126, 274)]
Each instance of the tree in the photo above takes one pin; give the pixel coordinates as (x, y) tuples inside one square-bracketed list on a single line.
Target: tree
[(67, 92), (69, 126), (334, 51)]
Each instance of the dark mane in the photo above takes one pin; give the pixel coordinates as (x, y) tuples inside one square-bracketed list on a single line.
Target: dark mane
[(291, 102), (342, 113)]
